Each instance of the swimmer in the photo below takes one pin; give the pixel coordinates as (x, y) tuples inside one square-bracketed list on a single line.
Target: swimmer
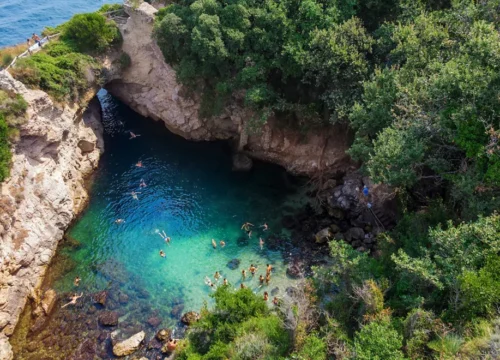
[(268, 279), (119, 221), (133, 136), (167, 240), (225, 283), (134, 195), (246, 226), (252, 269), (222, 243), (143, 183), (73, 300), (261, 243), (243, 274), (266, 296), (276, 301), (261, 279), (77, 280), (139, 164), (264, 227), (162, 253), (217, 275), (269, 268), (242, 286), (250, 234), (214, 244)]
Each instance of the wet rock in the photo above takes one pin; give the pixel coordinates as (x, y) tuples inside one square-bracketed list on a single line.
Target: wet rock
[(163, 334), (154, 344), (92, 309), (233, 264), (361, 249), (323, 236), (190, 317), (102, 336), (275, 291), (177, 311), (241, 162), (154, 321), (128, 346), (100, 297), (108, 318), (39, 324), (86, 146), (48, 301), (86, 350), (291, 291), (123, 299), (294, 271)]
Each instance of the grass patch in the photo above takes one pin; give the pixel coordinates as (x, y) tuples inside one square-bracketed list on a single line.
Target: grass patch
[(7, 54)]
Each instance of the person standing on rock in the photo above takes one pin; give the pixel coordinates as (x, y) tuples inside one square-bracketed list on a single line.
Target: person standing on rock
[(74, 298)]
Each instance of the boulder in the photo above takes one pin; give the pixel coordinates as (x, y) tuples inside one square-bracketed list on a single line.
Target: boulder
[(5, 348), (100, 297), (108, 318), (127, 347), (190, 318), (339, 236), (275, 291), (334, 228), (154, 321), (323, 236), (357, 233), (294, 271), (233, 264), (163, 334), (241, 162), (48, 301), (86, 146)]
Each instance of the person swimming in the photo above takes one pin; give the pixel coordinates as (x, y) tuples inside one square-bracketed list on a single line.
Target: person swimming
[(74, 298), (222, 243), (261, 279), (134, 195), (142, 183), (77, 280), (214, 244), (246, 226), (162, 253), (225, 283), (252, 269), (167, 240), (243, 274), (216, 275), (119, 221), (250, 234), (133, 136), (139, 164), (264, 227), (261, 243), (266, 296), (209, 283)]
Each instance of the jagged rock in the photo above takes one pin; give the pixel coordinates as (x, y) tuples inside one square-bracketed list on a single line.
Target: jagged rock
[(5, 348), (242, 162), (154, 321), (101, 297), (190, 318), (86, 146), (163, 334), (323, 236), (108, 318), (48, 301), (128, 346), (233, 264)]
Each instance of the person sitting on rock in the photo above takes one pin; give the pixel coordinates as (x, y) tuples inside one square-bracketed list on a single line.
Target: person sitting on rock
[(74, 298), (76, 282)]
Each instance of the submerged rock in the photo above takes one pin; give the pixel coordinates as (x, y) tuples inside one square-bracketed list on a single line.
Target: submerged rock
[(154, 321), (128, 346), (275, 291), (177, 310), (190, 317), (108, 318), (163, 334), (294, 271), (233, 264), (101, 297)]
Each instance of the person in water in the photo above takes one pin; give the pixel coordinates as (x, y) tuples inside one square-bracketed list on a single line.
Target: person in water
[(269, 268), (250, 234), (217, 275), (242, 286), (264, 227), (222, 243), (252, 269), (266, 296), (133, 136), (142, 183), (246, 226), (261, 243), (261, 279), (134, 195), (214, 244), (139, 164), (225, 283), (243, 274), (276, 301), (268, 278), (77, 280), (119, 221), (162, 253), (74, 298)]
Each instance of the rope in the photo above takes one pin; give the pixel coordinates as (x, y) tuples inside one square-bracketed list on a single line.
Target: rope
[(29, 51), (377, 220)]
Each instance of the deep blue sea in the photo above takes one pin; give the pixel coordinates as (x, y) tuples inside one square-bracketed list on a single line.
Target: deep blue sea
[(21, 18)]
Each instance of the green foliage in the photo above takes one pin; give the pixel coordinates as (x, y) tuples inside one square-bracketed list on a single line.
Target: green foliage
[(5, 155), (378, 340), (90, 32), (314, 348), (124, 60)]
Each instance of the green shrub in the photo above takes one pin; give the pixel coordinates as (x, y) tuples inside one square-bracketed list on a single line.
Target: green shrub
[(90, 32), (314, 348), (124, 60), (6, 60), (5, 155), (378, 340)]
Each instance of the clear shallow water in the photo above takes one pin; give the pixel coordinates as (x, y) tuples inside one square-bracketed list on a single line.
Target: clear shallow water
[(21, 18)]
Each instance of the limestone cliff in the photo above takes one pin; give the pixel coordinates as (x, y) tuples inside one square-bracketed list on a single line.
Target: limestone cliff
[(59, 146), (149, 86)]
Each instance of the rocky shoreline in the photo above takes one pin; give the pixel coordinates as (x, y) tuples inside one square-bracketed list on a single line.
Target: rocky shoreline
[(59, 147)]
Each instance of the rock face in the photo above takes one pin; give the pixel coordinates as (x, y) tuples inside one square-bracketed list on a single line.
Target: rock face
[(166, 100), (128, 346), (43, 194)]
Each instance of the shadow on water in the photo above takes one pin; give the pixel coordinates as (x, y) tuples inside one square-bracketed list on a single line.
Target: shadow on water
[(192, 196)]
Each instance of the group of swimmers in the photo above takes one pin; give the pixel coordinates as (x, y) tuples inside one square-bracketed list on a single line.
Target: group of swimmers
[(248, 229)]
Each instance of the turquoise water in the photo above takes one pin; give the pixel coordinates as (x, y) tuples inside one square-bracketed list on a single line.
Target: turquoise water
[(193, 196), (19, 18)]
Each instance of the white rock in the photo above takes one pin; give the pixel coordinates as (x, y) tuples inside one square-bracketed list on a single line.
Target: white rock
[(128, 346)]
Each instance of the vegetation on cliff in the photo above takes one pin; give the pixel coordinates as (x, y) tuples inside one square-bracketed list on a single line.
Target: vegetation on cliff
[(419, 84)]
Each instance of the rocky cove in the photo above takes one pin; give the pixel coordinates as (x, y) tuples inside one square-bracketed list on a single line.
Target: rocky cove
[(60, 147)]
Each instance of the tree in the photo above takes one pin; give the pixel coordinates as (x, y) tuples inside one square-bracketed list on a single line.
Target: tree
[(90, 32), (378, 340)]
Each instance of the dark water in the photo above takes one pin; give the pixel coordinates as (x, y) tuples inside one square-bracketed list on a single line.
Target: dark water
[(20, 18), (193, 196)]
